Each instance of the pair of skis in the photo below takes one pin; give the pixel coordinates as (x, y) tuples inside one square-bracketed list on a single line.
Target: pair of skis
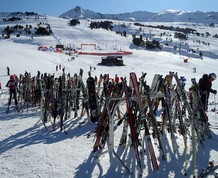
[(184, 98), (137, 86), (203, 120), (102, 131)]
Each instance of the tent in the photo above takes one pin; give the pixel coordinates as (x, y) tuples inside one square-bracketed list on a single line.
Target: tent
[(51, 49), (43, 48), (58, 50)]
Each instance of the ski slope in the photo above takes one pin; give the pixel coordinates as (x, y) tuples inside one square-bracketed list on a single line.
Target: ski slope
[(28, 150)]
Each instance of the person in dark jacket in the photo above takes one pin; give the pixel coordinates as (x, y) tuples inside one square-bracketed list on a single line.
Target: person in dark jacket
[(205, 85), (8, 70), (12, 85)]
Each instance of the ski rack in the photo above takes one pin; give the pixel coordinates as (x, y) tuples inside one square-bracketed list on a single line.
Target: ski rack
[(187, 107), (111, 128), (111, 123)]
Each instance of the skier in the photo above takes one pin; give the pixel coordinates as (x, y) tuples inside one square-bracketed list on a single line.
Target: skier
[(38, 74), (116, 79), (183, 80), (12, 85), (205, 85), (8, 71), (63, 70)]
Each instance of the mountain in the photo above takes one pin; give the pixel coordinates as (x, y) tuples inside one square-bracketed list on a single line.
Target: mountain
[(144, 16), (80, 13), (185, 16)]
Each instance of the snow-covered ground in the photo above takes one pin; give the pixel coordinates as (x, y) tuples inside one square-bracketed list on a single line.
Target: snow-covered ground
[(27, 149)]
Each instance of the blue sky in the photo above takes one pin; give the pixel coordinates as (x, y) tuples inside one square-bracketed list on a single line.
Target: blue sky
[(58, 7)]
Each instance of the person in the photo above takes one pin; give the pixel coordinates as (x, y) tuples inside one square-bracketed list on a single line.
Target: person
[(8, 70), (63, 70), (12, 85), (116, 79), (205, 86)]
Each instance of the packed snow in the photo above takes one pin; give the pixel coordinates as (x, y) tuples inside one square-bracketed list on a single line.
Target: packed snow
[(27, 149)]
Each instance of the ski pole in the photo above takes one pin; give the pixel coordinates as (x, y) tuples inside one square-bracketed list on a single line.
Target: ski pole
[(215, 109)]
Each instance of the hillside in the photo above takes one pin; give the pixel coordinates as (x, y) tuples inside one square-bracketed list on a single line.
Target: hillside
[(27, 149)]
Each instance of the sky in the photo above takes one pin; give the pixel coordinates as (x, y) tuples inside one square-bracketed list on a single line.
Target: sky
[(58, 7)]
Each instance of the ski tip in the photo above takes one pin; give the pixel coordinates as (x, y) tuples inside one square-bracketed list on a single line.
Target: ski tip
[(185, 174)]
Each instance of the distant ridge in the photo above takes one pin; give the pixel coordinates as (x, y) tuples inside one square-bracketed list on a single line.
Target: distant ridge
[(144, 16)]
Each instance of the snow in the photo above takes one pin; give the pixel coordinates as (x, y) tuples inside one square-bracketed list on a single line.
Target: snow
[(27, 149)]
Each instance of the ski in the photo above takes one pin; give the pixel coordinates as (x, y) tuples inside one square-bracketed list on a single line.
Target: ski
[(123, 137), (155, 84), (183, 95), (111, 91), (199, 109), (136, 87), (154, 121), (132, 124)]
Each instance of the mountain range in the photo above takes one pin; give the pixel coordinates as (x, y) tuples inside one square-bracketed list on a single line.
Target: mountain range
[(144, 16)]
